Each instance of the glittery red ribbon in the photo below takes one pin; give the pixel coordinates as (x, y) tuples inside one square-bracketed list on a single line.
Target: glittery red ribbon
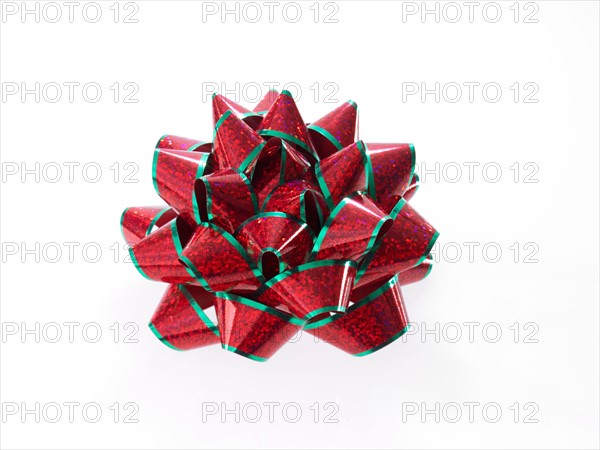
[(280, 226)]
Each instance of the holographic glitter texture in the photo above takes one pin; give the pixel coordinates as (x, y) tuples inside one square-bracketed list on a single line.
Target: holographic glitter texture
[(280, 225)]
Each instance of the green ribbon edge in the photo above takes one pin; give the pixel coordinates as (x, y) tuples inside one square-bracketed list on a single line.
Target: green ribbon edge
[(334, 213), (325, 228), (261, 307), (251, 157), (429, 247), (196, 274), (251, 114), (191, 268), (196, 208), (222, 119), (281, 176), (160, 139), (155, 219), (371, 254), (393, 214), (303, 207), (161, 338), (199, 174), (154, 164), (428, 271), (157, 153), (283, 163), (253, 195), (209, 214), (277, 253), (199, 311), (121, 222), (254, 153), (195, 146), (323, 185), (368, 165), (384, 344), (191, 148), (414, 161), (178, 246), (327, 135), (243, 353), (369, 177), (310, 265), (362, 302), (316, 312), (417, 184), (290, 138), (397, 208), (275, 214), (202, 162), (136, 264)]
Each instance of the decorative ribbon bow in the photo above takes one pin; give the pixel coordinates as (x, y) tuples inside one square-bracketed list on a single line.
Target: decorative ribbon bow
[(280, 226)]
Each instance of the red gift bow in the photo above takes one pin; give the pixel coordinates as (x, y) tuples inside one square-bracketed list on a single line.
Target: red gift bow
[(281, 226)]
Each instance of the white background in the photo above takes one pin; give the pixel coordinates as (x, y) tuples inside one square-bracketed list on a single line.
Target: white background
[(370, 54)]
